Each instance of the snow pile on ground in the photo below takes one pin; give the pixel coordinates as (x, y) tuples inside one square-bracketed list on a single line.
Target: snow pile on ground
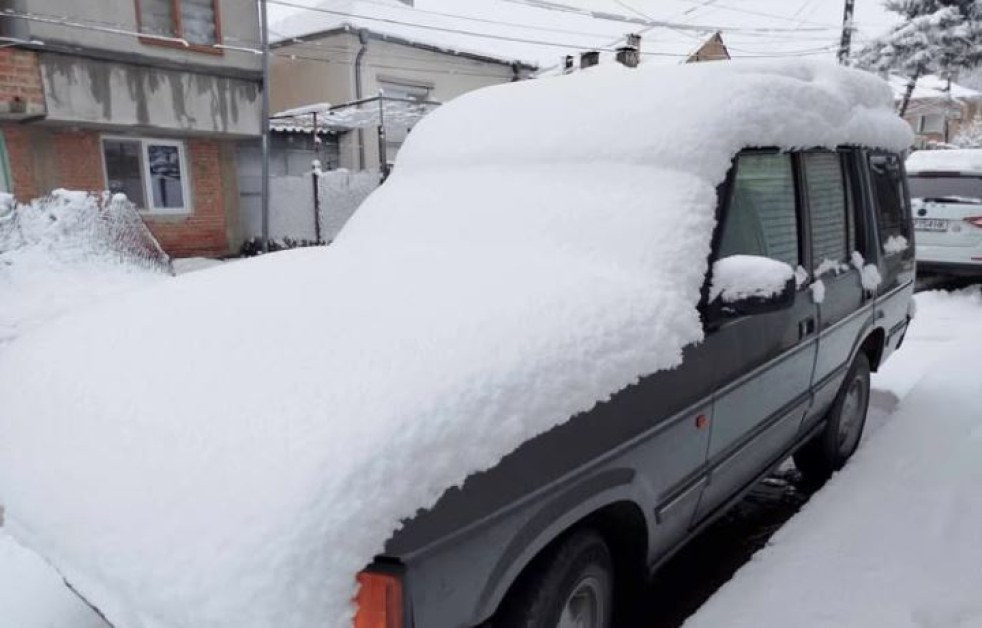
[(67, 249), (740, 277), (193, 456), (955, 160), (33, 596), (893, 539)]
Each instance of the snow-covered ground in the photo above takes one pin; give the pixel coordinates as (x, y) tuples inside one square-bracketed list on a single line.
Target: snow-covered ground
[(895, 539), (33, 595)]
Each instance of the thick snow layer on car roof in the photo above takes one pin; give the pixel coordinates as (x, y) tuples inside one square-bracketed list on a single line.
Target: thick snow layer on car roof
[(230, 447), (954, 160), (691, 118)]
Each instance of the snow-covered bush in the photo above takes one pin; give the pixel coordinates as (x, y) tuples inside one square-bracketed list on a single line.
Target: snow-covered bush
[(970, 134)]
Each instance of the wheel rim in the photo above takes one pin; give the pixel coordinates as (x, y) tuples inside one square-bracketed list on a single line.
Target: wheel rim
[(584, 608), (851, 416)]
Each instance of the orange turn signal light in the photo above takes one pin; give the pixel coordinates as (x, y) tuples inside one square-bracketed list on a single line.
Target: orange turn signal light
[(379, 601)]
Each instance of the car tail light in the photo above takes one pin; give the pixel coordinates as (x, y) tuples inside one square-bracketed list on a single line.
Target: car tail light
[(379, 601), (974, 220)]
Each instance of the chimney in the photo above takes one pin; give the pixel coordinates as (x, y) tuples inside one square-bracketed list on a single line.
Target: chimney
[(568, 62), (589, 59), (629, 55)]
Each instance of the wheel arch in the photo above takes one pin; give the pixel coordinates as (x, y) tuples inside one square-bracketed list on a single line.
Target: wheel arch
[(615, 513)]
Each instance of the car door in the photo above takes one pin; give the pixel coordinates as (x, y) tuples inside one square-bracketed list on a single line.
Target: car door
[(838, 228), (763, 362), (893, 243)]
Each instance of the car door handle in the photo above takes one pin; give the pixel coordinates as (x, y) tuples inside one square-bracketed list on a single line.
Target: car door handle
[(806, 327)]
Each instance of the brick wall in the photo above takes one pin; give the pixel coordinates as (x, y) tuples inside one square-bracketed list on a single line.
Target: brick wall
[(204, 231), (78, 160), (20, 78), (44, 158), (20, 155)]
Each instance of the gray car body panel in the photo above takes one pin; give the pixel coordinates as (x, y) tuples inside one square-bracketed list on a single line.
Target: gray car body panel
[(763, 382)]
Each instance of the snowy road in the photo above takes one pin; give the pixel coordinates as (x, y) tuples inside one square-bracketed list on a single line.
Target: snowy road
[(893, 540)]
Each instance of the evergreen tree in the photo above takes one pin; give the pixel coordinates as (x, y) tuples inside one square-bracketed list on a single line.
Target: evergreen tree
[(936, 37)]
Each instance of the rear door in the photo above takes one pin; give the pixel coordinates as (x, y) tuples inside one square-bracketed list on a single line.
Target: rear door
[(764, 362), (833, 193), (893, 244)]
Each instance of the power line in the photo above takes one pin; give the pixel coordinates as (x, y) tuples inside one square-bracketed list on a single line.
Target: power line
[(480, 20), (723, 7)]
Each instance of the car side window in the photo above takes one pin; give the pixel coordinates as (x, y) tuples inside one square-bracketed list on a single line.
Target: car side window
[(761, 217), (888, 193), (831, 214)]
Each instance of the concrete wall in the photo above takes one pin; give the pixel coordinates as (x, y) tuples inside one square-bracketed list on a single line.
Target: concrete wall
[(239, 21), (328, 76), (80, 90)]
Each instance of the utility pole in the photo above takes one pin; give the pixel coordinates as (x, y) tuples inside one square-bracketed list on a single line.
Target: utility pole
[(264, 121), (846, 42)]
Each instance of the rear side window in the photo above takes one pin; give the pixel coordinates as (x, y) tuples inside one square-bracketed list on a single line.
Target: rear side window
[(946, 189), (761, 216), (833, 231), (888, 193)]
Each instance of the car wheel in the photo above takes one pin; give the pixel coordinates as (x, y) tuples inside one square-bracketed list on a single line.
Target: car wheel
[(830, 449), (571, 587)]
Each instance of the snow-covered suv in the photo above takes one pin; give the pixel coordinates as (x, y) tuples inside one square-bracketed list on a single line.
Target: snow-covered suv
[(946, 198), (583, 315)]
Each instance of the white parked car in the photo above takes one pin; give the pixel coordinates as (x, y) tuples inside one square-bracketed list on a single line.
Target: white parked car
[(946, 199)]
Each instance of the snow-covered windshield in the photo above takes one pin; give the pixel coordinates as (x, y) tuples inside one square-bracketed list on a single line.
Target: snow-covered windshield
[(947, 188)]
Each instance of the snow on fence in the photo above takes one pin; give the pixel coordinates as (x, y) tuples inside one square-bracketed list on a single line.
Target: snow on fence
[(340, 194), (293, 200)]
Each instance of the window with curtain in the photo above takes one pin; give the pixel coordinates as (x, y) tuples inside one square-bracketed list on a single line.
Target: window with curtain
[(762, 216), (151, 173), (193, 20), (832, 237)]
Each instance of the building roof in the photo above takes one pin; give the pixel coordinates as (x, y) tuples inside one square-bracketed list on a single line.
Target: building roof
[(932, 87), (365, 113), (540, 33)]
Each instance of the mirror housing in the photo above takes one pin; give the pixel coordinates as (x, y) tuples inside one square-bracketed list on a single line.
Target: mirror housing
[(751, 305), (744, 285)]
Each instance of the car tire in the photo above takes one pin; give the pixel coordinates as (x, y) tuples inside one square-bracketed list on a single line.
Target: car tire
[(573, 585), (829, 450)]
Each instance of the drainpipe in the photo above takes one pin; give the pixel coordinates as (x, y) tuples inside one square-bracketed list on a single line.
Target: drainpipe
[(359, 59)]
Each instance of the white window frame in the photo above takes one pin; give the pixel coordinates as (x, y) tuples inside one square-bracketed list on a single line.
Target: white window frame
[(145, 158)]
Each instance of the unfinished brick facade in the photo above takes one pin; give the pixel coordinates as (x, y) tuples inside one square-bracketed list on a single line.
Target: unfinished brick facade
[(43, 158), (20, 81), (204, 231)]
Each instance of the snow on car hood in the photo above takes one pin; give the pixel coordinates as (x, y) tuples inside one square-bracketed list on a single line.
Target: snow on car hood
[(229, 448)]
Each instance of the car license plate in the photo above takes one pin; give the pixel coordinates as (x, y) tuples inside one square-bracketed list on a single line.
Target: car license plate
[(930, 224)]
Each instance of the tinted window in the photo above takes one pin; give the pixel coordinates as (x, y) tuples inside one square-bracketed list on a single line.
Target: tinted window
[(950, 189), (828, 203), (888, 192), (761, 216)]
